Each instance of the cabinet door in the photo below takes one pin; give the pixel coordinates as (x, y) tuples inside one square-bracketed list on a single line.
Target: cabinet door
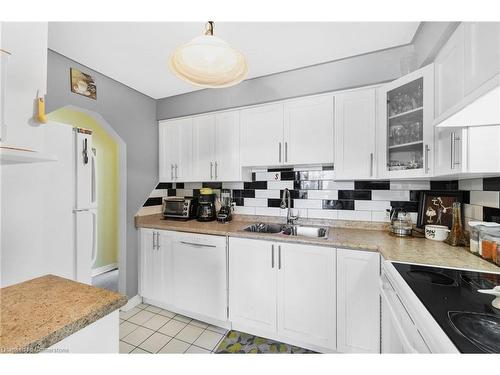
[(252, 285), (450, 146), (199, 275), (483, 151), (358, 303), (203, 148), (308, 131), (227, 146), (164, 266), (168, 150), (482, 53), (406, 135), (391, 341), (184, 166), (262, 135), (355, 120), (449, 72), (146, 274), (306, 294)]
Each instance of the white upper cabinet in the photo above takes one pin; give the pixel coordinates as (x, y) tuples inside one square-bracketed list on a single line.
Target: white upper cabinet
[(483, 149), (451, 147), (406, 132), (306, 294), (449, 72), (203, 147), (355, 123), (262, 135), (227, 146), (308, 131), (176, 150), (482, 53)]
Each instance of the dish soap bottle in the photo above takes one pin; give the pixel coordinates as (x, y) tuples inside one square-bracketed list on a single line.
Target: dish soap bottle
[(457, 234)]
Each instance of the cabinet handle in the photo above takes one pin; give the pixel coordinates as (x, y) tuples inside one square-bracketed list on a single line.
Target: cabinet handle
[(272, 256), (279, 151), (211, 169), (154, 240), (279, 257), (452, 150), (454, 145), (215, 164), (171, 171), (426, 161), (196, 244), (176, 175), (158, 241), (286, 152), (371, 164)]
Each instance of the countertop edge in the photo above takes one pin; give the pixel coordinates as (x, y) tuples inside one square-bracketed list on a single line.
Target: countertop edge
[(71, 328)]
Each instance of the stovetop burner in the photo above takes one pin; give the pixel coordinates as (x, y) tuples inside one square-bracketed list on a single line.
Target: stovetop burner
[(451, 297)]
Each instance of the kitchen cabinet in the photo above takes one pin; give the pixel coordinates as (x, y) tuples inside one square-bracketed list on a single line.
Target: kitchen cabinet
[(291, 133), (262, 135), (176, 150), (449, 72), (406, 132), (482, 53), (355, 123), (216, 147), (252, 285), (306, 294), (358, 304), (155, 281), (199, 275), (483, 151), (308, 131), (450, 145), (285, 291)]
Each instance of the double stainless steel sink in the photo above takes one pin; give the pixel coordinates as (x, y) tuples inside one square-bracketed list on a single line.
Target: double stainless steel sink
[(290, 230)]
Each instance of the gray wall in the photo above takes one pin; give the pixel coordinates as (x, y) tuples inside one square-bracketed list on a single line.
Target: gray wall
[(132, 116)]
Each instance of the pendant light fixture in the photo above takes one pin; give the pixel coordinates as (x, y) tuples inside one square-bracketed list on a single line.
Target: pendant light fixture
[(208, 61)]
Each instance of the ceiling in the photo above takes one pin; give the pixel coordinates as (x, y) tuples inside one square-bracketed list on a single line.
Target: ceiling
[(136, 53)]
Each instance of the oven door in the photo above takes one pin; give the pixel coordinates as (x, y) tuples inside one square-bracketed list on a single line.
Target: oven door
[(399, 333), (173, 208)]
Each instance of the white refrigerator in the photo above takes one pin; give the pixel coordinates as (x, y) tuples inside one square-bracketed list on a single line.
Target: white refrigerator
[(71, 214)]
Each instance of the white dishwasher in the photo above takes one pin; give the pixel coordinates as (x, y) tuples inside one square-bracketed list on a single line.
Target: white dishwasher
[(200, 276)]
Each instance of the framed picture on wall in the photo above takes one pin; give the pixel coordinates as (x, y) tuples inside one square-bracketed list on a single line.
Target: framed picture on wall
[(436, 207), (83, 84)]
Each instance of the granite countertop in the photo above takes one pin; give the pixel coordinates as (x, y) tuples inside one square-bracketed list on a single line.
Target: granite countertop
[(359, 236), (38, 313)]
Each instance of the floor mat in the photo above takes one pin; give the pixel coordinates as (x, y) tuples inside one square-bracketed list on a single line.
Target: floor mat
[(243, 343)]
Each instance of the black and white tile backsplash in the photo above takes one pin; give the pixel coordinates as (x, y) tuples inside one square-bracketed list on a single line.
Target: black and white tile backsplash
[(315, 195)]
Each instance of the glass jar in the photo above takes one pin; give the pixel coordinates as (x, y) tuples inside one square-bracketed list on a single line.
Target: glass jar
[(475, 228), (489, 242)]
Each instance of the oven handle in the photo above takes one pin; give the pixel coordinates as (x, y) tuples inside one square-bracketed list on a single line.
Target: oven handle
[(395, 321)]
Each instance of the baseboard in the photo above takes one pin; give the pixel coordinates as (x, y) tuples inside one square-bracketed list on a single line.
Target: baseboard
[(132, 302), (104, 269)]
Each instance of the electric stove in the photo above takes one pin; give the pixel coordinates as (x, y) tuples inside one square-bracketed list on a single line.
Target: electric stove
[(465, 315)]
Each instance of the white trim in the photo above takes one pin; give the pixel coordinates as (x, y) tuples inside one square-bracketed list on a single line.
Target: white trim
[(132, 302), (100, 270)]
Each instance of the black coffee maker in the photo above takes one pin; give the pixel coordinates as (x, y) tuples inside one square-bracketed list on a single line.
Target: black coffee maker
[(206, 207)]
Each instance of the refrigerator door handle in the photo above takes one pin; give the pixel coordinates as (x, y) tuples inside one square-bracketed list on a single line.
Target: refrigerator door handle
[(85, 152)]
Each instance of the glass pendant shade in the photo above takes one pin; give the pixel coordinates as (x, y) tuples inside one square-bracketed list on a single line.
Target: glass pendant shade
[(209, 61)]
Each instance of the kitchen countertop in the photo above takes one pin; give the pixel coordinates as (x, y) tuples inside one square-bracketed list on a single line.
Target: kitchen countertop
[(38, 313), (410, 250)]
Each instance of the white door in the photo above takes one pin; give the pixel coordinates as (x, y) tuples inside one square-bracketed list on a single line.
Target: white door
[(355, 121), (168, 150), (252, 285), (308, 131), (85, 244), (203, 148), (199, 275), (450, 146), (262, 135), (482, 53), (358, 303), (405, 128), (227, 146), (483, 152), (306, 294), (449, 72)]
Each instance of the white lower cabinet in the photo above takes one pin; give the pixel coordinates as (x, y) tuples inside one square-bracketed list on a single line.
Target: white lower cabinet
[(358, 301)]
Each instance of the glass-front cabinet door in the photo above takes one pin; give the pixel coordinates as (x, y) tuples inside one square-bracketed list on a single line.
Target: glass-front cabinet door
[(406, 133)]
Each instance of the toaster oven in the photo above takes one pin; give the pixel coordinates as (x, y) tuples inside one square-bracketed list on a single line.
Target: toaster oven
[(180, 207)]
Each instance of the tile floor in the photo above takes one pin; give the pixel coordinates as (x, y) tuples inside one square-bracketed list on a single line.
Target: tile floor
[(150, 329)]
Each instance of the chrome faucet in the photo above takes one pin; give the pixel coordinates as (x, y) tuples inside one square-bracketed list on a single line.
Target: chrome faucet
[(290, 219)]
